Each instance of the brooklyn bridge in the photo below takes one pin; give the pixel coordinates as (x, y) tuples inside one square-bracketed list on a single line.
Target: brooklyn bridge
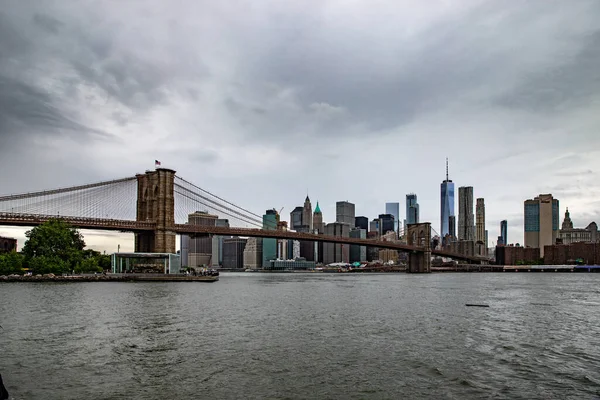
[(155, 205)]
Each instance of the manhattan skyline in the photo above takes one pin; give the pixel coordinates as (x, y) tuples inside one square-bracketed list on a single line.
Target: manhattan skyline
[(257, 107)]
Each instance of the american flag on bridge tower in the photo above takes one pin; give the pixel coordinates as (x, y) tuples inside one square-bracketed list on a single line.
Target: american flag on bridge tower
[(156, 163)]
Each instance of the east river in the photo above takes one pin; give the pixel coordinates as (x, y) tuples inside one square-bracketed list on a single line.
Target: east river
[(305, 336)]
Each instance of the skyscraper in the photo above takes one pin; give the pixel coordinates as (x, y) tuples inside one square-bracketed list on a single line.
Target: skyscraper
[(480, 225), (269, 246), (541, 221), (394, 209), (466, 220), (296, 218), (362, 223), (336, 252), (504, 232), (307, 215), (386, 223), (318, 219), (344, 213), (447, 204), (412, 209), (452, 227), (200, 249)]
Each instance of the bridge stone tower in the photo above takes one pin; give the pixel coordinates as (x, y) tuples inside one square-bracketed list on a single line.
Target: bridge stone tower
[(156, 203), (419, 235)]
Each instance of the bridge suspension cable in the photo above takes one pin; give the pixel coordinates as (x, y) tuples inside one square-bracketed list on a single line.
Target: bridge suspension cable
[(187, 202), (217, 197), (115, 199)]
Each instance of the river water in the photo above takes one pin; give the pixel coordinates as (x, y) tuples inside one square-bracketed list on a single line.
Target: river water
[(305, 336)]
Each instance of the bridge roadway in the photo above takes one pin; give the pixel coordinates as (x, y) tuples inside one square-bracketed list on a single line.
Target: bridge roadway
[(27, 220)]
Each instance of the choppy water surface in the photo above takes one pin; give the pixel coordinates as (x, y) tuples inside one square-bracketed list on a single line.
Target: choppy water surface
[(305, 336)]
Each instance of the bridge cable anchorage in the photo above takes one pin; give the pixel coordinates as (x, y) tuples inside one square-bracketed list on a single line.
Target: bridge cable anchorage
[(219, 209), (217, 197)]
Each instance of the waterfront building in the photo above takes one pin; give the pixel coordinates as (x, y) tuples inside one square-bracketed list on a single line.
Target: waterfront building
[(269, 246), (388, 256), (362, 223), (336, 252), (184, 250), (253, 253), (307, 214), (358, 253), (481, 233), (569, 235), (296, 218), (344, 213), (504, 232), (200, 249), (217, 244), (291, 265), (541, 221), (7, 244), (447, 204), (386, 223), (233, 252), (394, 209), (466, 220), (412, 209), (318, 224)]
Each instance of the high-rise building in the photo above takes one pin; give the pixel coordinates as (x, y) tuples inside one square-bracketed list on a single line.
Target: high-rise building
[(447, 204), (296, 218), (362, 223), (412, 209), (480, 231), (394, 209), (504, 232), (386, 223), (269, 246), (344, 213), (336, 252), (307, 214), (358, 253), (452, 222), (233, 252), (374, 226), (185, 250), (480, 223), (466, 220), (318, 220), (200, 249), (253, 253), (541, 221)]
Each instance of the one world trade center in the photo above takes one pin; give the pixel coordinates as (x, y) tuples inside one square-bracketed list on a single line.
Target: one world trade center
[(447, 202)]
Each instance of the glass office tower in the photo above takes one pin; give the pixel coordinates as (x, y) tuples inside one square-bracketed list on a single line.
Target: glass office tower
[(447, 204)]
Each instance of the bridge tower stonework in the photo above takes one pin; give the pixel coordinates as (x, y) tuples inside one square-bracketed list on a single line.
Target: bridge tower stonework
[(156, 204), (419, 235)]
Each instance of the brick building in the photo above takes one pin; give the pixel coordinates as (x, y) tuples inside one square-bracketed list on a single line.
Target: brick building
[(559, 254), (512, 255), (7, 244)]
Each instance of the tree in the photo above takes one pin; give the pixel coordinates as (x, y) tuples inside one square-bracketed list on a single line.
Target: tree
[(11, 263), (53, 247)]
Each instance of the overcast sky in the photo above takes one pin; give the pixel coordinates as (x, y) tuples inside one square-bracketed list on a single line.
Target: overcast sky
[(260, 101)]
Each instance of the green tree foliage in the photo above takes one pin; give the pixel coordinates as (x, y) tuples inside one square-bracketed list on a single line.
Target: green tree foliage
[(56, 247), (11, 263)]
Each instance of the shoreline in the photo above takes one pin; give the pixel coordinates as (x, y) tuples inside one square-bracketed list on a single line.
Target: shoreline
[(109, 278)]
